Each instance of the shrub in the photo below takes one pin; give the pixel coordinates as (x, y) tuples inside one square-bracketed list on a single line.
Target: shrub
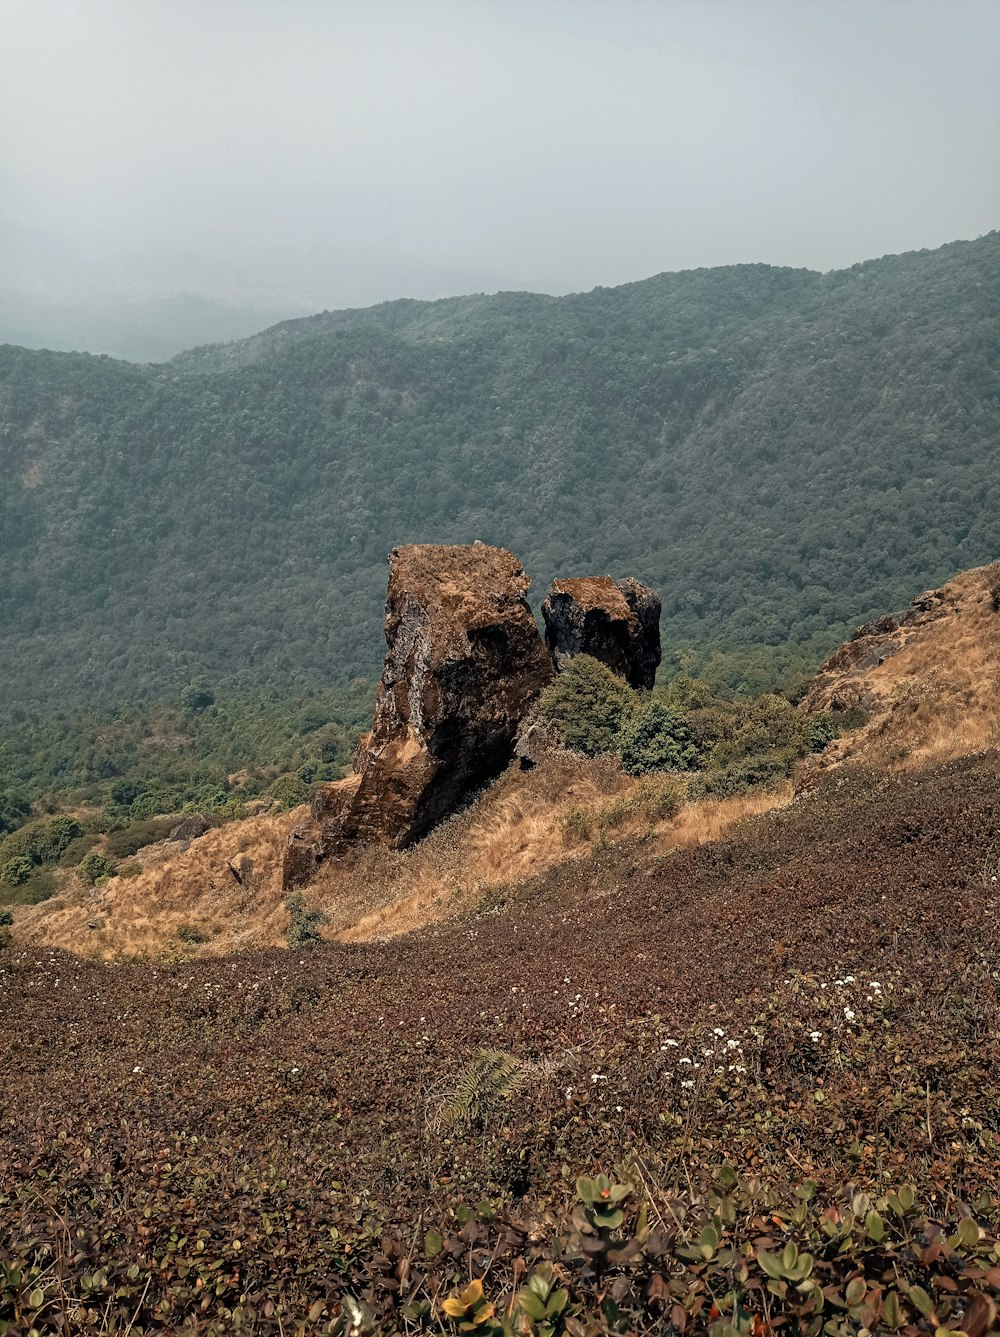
[(197, 696), (661, 796), (288, 790), (575, 826), (14, 810), (125, 792), (93, 866), (655, 738), (587, 704), (303, 922), (15, 872), (123, 844), (312, 718), (821, 728), (37, 843)]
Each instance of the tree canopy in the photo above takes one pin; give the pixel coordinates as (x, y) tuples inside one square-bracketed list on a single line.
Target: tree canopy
[(781, 453)]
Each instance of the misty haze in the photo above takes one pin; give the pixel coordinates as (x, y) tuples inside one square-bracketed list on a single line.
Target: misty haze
[(175, 173)]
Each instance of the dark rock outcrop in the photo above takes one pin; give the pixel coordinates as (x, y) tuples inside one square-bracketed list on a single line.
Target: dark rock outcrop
[(615, 621), (465, 662), (191, 827)]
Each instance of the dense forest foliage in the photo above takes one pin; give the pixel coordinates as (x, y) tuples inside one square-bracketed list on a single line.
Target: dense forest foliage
[(781, 453), (74, 779)]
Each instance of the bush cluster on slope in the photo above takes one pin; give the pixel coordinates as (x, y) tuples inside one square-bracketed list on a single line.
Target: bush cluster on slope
[(125, 767), (735, 741)]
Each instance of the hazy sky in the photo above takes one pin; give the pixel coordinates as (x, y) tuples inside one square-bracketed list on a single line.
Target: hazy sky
[(345, 151)]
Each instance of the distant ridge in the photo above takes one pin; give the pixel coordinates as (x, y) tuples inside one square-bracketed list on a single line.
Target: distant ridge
[(783, 453)]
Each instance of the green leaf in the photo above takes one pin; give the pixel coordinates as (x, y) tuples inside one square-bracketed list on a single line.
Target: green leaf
[(875, 1227), (532, 1305), (892, 1311), (770, 1264), (36, 1299), (433, 1243), (856, 1291), (921, 1300), (968, 1232), (558, 1302)]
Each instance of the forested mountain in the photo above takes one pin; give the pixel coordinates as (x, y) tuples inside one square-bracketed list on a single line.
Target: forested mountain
[(782, 453)]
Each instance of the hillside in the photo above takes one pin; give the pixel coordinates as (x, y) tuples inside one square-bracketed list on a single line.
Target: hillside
[(924, 680), (912, 691), (782, 453), (770, 1021), (781, 1046)]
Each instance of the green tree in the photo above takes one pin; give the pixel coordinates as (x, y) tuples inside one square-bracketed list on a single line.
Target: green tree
[(588, 705), (655, 738)]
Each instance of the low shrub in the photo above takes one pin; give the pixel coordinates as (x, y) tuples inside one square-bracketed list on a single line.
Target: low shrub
[(131, 839), (94, 866), (654, 738), (588, 705), (289, 790), (303, 922)]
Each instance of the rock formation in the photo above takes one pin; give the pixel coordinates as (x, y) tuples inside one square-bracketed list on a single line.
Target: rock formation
[(616, 621), (464, 664), (841, 683)]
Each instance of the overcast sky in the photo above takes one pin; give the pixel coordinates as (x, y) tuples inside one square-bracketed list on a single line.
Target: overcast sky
[(344, 151)]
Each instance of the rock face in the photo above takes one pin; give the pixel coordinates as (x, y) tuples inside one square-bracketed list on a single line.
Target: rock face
[(616, 621), (464, 664), (840, 683)]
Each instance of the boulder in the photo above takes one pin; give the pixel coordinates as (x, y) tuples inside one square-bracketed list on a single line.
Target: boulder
[(191, 827), (464, 664), (615, 621)]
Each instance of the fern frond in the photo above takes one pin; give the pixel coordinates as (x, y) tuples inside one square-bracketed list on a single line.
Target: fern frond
[(481, 1087)]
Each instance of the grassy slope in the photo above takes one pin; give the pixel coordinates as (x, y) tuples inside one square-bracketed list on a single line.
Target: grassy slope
[(313, 1084), (781, 452)]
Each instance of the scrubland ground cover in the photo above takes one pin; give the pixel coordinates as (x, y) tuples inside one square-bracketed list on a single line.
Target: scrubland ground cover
[(780, 1050)]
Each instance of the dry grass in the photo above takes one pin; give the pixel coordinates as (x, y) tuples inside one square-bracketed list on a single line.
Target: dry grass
[(936, 698), (709, 818), (184, 891), (187, 899)]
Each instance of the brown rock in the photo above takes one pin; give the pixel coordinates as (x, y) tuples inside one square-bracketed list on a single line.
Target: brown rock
[(191, 827), (616, 621), (464, 664)]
